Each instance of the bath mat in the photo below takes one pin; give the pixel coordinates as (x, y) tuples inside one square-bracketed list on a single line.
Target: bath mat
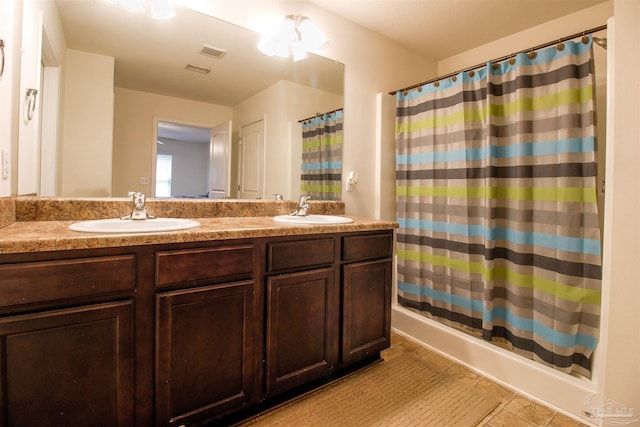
[(402, 391)]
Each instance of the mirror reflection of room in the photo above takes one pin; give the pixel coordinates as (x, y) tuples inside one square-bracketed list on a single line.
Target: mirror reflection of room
[(113, 90)]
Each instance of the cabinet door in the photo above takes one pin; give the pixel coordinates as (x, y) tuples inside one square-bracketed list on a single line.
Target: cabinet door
[(69, 367), (366, 293), (204, 352), (301, 328)]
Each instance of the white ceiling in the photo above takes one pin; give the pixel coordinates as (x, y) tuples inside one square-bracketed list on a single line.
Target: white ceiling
[(151, 55), (442, 28)]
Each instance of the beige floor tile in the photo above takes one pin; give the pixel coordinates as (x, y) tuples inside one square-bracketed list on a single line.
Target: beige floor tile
[(560, 420), (462, 374), (504, 418), (503, 394), (514, 410), (436, 361), (524, 408)]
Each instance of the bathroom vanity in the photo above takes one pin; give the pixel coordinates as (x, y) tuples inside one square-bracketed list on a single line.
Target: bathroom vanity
[(211, 324)]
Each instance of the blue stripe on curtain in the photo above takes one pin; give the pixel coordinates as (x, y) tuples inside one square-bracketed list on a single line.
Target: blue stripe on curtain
[(495, 178), (501, 313), (323, 165), (574, 145), (552, 241)]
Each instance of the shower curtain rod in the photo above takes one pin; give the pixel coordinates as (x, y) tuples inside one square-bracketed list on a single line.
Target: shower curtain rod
[(551, 43), (320, 114)]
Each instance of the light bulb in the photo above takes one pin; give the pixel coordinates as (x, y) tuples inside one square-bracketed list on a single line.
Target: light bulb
[(296, 36)]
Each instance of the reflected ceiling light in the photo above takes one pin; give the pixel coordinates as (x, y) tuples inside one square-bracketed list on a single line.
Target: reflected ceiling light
[(132, 5), (297, 36), (160, 9)]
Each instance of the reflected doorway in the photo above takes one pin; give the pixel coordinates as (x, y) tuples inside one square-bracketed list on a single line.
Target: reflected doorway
[(190, 159)]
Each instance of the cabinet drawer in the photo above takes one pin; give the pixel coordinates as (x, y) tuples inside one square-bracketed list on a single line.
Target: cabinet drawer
[(300, 253), (34, 282), (367, 246), (204, 265)]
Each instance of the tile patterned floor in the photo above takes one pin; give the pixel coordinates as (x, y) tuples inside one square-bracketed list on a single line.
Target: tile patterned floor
[(514, 410)]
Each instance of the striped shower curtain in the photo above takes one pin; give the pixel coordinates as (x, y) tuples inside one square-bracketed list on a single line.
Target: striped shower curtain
[(499, 233), (322, 156)]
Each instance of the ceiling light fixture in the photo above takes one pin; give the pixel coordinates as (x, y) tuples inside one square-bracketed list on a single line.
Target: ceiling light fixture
[(132, 5), (162, 9), (297, 36)]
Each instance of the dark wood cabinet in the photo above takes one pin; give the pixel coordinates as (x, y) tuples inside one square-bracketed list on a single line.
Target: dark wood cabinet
[(301, 325), (366, 295), (205, 342), (187, 333), (366, 301), (68, 367), (204, 352)]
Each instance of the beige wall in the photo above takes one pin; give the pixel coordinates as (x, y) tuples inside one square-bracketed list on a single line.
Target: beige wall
[(134, 132), (9, 87), (87, 127)]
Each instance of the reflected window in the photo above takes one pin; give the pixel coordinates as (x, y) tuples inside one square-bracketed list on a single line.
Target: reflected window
[(163, 175)]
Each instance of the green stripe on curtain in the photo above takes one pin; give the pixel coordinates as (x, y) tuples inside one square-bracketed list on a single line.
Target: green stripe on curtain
[(513, 193), (495, 182), (322, 156)]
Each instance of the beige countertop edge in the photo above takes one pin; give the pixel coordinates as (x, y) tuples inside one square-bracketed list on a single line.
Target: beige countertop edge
[(43, 236)]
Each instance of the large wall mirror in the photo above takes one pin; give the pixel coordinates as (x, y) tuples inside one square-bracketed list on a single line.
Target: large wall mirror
[(124, 79)]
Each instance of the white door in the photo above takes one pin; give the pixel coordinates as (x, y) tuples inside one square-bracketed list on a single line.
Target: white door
[(220, 162), (251, 168)]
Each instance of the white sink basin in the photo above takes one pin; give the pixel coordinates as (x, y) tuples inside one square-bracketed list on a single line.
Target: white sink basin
[(117, 225), (313, 219)]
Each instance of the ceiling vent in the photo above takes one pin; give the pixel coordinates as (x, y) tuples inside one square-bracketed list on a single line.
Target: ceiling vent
[(198, 69), (213, 52)]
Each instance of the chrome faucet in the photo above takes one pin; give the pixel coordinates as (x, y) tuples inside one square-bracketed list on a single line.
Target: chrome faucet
[(302, 208), (139, 209)]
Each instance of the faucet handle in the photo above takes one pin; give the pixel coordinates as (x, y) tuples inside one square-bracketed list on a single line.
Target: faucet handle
[(139, 209), (138, 199)]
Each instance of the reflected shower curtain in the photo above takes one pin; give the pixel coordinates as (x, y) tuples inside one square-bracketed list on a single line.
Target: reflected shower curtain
[(322, 156), (499, 232)]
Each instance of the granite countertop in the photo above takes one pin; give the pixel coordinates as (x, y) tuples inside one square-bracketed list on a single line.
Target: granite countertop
[(41, 236), (41, 224)]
